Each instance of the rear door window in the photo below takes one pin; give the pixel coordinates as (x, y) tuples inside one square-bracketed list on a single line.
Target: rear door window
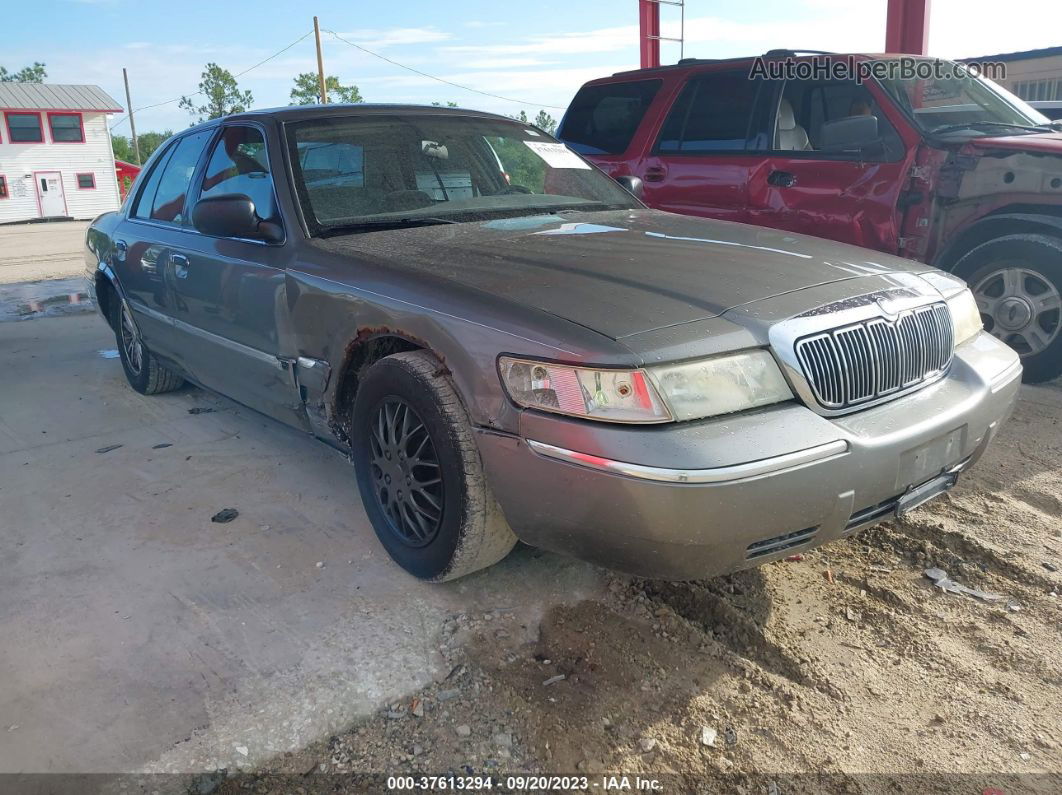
[(149, 185), (602, 119), (712, 114), (168, 204)]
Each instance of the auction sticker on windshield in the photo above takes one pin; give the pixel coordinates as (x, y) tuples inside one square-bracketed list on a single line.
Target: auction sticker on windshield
[(556, 155)]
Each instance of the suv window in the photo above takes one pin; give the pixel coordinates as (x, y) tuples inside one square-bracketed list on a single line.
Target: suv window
[(805, 106), (165, 195), (603, 119), (713, 113), (239, 164)]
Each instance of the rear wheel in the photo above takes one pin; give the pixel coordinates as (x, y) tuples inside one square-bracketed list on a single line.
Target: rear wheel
[(419, 471), (143, 371), (1017, 282)]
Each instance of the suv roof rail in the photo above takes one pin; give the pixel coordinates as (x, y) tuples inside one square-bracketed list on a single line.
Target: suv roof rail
[(695, 61)]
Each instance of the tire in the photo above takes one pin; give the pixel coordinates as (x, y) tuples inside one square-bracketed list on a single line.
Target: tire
[(142, 369), (1017, 281), (436, 531)]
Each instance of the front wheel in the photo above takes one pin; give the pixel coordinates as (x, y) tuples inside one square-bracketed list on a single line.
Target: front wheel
[(419, 471), (1017, 282)]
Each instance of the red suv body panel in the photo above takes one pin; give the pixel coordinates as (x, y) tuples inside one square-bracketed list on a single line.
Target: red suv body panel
[(922, 200)]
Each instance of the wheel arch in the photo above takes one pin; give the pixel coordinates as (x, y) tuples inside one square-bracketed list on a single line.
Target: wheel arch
[(108, 293), (997, 225), (368, 346)]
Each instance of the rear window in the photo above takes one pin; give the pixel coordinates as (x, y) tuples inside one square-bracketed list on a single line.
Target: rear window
[(602, 119)]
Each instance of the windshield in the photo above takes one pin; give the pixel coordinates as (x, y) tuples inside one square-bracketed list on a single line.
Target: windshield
[(953, 99), (370, 171)]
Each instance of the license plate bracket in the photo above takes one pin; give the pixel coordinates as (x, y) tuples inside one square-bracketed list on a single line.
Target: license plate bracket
[(924, 492)]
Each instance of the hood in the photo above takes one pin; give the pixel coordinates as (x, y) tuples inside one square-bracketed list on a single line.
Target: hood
[(621, 273), (1049, 143)]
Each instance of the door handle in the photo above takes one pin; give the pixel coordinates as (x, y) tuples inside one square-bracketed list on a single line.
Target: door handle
[(781, 179), (655, 174), (180, 265), (120, 249)]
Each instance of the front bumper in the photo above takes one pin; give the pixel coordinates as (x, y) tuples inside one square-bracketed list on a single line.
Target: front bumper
[(690, 500)]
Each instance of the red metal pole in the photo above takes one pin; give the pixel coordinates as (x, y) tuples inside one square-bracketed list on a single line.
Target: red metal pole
[(649, 32), (907, 27)]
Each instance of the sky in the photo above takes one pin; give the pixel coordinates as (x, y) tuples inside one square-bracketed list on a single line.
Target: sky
[(535, 54)]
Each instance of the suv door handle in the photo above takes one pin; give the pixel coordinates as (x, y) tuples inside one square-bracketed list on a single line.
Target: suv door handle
[(180, 265), (781, 179), (655, 174)]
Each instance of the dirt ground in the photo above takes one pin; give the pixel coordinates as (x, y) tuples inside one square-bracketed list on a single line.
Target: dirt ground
[(845, 670), (30, 252)]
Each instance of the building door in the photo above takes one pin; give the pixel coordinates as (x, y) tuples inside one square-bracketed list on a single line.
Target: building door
[(50, 193)]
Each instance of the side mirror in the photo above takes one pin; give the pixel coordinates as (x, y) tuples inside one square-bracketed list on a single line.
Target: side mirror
[(633, 185), (857, 134), (233, 215)]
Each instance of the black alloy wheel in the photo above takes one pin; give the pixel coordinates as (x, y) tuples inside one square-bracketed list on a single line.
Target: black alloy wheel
[(406, 475)]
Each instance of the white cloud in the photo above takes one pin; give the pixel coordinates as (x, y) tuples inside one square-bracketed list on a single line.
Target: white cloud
[(504, 63), (591, 41), (390, 37)]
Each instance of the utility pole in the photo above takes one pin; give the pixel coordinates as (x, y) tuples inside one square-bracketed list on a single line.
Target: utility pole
[(320, 62), (132, 124)]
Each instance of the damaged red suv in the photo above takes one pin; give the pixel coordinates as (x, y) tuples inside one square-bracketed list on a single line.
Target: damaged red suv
[(933, 163)]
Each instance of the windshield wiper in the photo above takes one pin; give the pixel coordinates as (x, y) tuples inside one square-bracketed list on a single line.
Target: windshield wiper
[(383, 224), (968, 125)]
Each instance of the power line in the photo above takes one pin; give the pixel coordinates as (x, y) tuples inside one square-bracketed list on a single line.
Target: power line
[(440, 79), (194, 93)]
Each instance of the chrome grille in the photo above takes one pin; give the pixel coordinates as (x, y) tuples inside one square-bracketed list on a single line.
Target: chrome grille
[(876, 358)]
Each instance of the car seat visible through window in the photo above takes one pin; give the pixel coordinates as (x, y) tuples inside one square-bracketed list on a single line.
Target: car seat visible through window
[(789, 135)]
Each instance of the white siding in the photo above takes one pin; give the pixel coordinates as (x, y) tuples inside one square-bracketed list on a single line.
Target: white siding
[(18, 162)]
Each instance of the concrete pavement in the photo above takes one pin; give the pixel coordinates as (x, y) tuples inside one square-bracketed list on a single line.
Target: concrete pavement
[(30, 252), (139, 635)]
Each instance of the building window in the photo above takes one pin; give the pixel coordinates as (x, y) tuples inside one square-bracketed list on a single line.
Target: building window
[(66, 128), (86, 181), (1039, 90), (24, 128), (3, 187)]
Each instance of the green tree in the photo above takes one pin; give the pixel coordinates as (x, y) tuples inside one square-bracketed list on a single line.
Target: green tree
[(28, 74), (545, 122), (307, 90), (449, 104), (123, 149), (220, 93), (150, 141)]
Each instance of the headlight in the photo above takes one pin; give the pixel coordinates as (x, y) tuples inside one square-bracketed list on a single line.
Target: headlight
[(612, 395), (721, 385), (965, 316)]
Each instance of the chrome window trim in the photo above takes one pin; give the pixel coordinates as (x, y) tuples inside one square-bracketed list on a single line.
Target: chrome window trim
[(750, 469)]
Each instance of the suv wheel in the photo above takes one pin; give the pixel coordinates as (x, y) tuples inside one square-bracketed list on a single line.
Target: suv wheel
[(1017, 281), (143, 371), (419, 471)]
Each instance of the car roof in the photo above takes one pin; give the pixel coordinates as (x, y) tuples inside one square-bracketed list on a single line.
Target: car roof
[(300, 112), (693, 63)]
